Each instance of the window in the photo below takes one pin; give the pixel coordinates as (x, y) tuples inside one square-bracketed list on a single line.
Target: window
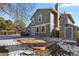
[(39, 18), (37, 29), (43, 28), (33, 20)]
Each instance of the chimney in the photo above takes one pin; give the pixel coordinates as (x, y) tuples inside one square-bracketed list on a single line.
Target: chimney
[(57, 17), (57, 7), (1, 5)]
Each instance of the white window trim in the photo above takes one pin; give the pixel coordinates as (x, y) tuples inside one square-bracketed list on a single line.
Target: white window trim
[(40, 31), (33, 20), (36, 29), (44, 30), (40, 25), (39, 17)]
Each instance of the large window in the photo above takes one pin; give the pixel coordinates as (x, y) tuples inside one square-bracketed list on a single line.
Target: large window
[(39, 18)]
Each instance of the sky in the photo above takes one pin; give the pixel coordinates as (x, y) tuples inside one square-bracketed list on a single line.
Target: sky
[(72, 8)]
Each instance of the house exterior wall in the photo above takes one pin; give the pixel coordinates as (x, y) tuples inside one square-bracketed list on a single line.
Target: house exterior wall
[(74, 30), (63, 22), (67, 28), (43, 34), (45, 17), (47, 22), (69, 21)]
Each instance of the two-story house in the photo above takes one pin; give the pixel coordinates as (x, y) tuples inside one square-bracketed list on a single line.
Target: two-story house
[(44, 21), (49, 22)]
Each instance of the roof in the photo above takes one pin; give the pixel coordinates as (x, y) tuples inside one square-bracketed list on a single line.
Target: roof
[(73, 25), (49, 9), (53, 10), (70, 16)]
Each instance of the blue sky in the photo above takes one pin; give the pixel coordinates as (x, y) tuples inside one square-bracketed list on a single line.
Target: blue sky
[(68, 8)]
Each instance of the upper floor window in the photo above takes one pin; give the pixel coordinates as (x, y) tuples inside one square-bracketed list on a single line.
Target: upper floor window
[(33, 20), (39, 18)]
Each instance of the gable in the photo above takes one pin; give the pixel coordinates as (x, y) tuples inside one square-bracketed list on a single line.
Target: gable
[(70, 18), (44, 11)]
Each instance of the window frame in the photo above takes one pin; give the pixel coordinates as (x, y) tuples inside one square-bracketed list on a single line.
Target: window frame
[(40, 17), (36, 29), (44, 29), (33, 21)]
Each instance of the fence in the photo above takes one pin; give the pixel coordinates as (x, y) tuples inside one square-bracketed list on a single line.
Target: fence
[(4, 32)]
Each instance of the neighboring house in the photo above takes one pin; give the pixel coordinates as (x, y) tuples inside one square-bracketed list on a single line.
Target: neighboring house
[(6, 32), (67, 28), (44, 21)]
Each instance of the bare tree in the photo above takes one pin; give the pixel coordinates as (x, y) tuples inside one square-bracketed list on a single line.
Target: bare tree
[(20, 26), (16, 10), (20, 12)]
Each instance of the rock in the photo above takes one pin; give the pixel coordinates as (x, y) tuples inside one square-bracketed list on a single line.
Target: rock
[(56, 50)]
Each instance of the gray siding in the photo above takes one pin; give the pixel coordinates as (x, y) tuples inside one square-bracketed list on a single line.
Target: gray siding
[(45, 17), (67, 29), (45, 20), (47, 33), (63, 22)]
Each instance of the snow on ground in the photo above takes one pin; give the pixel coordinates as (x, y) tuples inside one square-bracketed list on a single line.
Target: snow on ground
[(15, 48), (20, 53), (69, 47), (8, 42), (18, 49)]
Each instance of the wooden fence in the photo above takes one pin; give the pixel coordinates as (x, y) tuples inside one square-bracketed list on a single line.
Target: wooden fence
[(4, 32)]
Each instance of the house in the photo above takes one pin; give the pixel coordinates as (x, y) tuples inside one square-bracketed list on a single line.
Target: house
[(49, 22), (6, 32), (44, 22), (67, 28)]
